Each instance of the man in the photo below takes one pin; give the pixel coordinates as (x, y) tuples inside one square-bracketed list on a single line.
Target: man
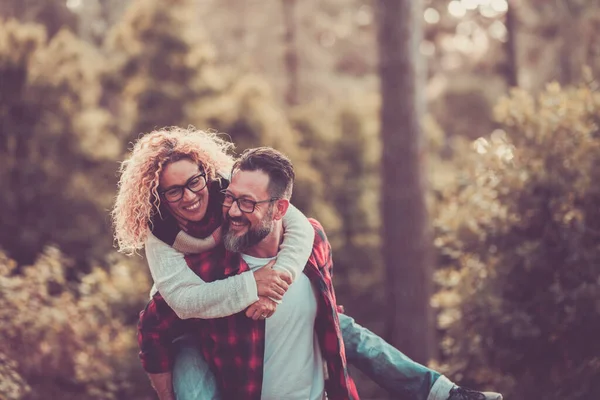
[(383, 363), (303, 338)]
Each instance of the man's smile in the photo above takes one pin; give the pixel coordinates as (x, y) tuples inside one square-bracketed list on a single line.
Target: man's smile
[(237, 223)]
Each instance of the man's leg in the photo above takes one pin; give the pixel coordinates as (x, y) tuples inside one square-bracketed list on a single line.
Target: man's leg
[(192, 377), (388, 367)]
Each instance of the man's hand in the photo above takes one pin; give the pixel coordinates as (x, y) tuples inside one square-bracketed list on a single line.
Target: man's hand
[(271, 283), (261, 309)]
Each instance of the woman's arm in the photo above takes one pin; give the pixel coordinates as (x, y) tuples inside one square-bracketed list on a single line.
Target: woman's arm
[(189, 244), (191, 297), (296, 248), (187, 294), (297, 245)]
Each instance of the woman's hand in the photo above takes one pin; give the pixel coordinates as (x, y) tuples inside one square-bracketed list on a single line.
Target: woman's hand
[(261, 309), (271, 283)]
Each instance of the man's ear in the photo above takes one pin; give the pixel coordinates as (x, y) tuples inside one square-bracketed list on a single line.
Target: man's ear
[(281, 207)]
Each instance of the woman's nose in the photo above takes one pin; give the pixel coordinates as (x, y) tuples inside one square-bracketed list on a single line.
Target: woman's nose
[(188, 194)]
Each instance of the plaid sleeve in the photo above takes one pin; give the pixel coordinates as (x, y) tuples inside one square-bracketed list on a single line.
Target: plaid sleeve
[(158, 326), (325, 257), (339, 385)]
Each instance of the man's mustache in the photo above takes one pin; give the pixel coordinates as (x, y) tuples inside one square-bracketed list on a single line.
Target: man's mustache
[(235, 219)]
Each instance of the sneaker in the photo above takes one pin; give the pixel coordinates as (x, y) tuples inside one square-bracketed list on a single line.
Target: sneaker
[(459, 393)]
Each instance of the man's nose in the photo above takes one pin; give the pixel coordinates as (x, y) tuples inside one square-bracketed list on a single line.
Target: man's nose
[(234, 210)]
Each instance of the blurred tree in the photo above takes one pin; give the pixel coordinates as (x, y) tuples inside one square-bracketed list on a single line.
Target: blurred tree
[(96, 17), (53, 14), (56, 149), (406, 246), (345, 147), (160, 66), (557, 39), (164, 73), (512, 65), (470, 63), (571, 27), (334, 42), (517, 234), (291, 52)]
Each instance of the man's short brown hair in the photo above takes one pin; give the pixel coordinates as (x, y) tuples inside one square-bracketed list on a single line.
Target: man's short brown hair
[(273, 163)]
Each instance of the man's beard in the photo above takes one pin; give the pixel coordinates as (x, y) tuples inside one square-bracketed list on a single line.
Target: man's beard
[(253, 235)]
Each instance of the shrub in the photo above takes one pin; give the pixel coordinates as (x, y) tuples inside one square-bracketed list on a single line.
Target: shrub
[(67, 340), (517, 235)]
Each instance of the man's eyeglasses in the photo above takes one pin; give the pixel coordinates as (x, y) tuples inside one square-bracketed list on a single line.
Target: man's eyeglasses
[(245, 205), (195, 184)]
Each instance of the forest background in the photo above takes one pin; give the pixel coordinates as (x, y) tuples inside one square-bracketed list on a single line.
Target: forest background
[(510, 153)]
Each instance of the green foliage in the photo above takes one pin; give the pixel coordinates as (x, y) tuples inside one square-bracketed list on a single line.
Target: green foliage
[(465, 106), (515, 214), (56, 150), (60, 145), (52, 14), (163, 73), (517, 236), (161, 65), (64, 340), (345, 148), (12, 384)]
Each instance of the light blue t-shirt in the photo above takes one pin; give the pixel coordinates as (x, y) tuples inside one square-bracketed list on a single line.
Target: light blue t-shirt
[(293, 363)]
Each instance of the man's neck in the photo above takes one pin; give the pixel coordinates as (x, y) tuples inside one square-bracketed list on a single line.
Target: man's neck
[(269, 246)]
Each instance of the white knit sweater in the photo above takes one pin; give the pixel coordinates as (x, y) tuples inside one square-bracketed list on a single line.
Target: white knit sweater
[(191, 297)]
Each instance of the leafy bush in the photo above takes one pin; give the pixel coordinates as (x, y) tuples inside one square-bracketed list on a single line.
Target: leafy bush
[(60, 339), (517, 236)]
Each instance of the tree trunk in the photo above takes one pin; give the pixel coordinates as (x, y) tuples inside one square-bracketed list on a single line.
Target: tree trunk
[(572, 49), (512, 71), (290, 52), (406, 244)]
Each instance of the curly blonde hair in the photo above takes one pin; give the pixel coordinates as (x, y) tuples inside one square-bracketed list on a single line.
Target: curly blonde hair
[(137, 197)]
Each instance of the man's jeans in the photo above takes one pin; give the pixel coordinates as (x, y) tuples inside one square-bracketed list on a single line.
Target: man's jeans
[(384, 364)]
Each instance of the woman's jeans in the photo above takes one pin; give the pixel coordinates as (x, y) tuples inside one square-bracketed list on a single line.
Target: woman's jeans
[(384, 364)]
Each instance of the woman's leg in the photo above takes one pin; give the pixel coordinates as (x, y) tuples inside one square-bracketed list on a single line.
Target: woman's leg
[(192, 377), (387, 366)]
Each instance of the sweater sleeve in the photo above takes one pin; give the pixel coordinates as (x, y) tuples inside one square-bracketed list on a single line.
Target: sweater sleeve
[(189, 244), (297, 245), (187, 294)]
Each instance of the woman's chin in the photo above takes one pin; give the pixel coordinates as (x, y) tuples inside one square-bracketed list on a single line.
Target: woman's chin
[(195, 216)]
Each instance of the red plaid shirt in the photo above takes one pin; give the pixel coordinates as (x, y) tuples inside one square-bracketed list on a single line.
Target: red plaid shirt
[(234, 346)]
